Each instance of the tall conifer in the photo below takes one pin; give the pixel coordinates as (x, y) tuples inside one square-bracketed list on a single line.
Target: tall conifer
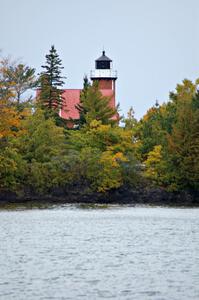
[(94, 106), (80, 107), (51, 81)]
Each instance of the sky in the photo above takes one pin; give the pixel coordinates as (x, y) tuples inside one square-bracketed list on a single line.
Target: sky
[(154, 44)]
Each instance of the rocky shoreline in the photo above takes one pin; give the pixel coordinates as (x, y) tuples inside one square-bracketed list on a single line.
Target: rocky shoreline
[(121, 196)]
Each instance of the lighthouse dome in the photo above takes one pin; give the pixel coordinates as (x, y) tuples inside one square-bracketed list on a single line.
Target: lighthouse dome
[(103, 68), (103, 62)]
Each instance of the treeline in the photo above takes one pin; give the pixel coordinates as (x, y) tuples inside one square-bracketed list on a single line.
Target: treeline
[(39, 154)]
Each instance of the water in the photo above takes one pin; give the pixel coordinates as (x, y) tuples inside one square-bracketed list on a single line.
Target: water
[(116, 253)]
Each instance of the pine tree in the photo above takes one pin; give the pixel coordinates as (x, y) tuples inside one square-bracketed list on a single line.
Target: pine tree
[(80, 107), (22, 78), (51, 81), (16, 80), (94, 106)]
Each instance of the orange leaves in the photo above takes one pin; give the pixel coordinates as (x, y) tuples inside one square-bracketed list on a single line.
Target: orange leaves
[(11, 120), (112, 159)]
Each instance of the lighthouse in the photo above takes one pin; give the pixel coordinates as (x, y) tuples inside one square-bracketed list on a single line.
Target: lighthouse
[(106, 78), (104, 73)]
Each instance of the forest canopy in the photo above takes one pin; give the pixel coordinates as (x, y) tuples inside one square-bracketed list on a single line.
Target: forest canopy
[(40, 154)]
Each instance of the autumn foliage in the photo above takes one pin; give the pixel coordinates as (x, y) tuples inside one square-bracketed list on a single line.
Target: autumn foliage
[(40, 155)]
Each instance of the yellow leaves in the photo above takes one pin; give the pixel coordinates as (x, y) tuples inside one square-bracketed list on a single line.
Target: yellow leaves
[(155, 165), (104, 152), (95, 124), (110, 176), (163, 109), (108, 157), (186, 90), (155, 154), (9, 122), (149, 114), (153, 159)]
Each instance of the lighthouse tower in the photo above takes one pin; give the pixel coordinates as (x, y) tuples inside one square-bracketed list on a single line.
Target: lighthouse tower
[(106, 78), (104, 73)]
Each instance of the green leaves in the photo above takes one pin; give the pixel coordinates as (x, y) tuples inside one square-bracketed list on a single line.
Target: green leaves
[(42, 148), (22, 78), (39, 156), (102, 156), (169, 140), (183, 141), (16, 80), (12, 168)]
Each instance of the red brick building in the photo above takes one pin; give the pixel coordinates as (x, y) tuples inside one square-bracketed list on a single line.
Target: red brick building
[(106, 77)]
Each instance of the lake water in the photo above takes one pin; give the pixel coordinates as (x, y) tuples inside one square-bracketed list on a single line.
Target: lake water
[(68, 252)]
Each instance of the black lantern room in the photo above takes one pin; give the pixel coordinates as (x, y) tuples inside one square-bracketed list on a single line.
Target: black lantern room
[(103, 62)]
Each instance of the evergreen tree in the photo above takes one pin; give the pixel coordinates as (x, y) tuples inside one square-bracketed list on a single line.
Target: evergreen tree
[(95, 106), (51, 81), (80, 107)]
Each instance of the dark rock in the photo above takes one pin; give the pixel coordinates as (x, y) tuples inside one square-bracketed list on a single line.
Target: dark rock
[(123, 195)]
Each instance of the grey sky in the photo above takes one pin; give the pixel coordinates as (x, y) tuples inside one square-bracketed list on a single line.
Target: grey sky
[(153, 43)]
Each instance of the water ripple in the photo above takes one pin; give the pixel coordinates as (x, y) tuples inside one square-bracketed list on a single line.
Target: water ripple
[(115, 253)]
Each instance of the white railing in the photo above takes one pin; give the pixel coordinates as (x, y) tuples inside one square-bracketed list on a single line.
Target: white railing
[(103, 73)]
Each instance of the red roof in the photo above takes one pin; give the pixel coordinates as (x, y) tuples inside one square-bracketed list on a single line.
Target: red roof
[(72, 98)]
